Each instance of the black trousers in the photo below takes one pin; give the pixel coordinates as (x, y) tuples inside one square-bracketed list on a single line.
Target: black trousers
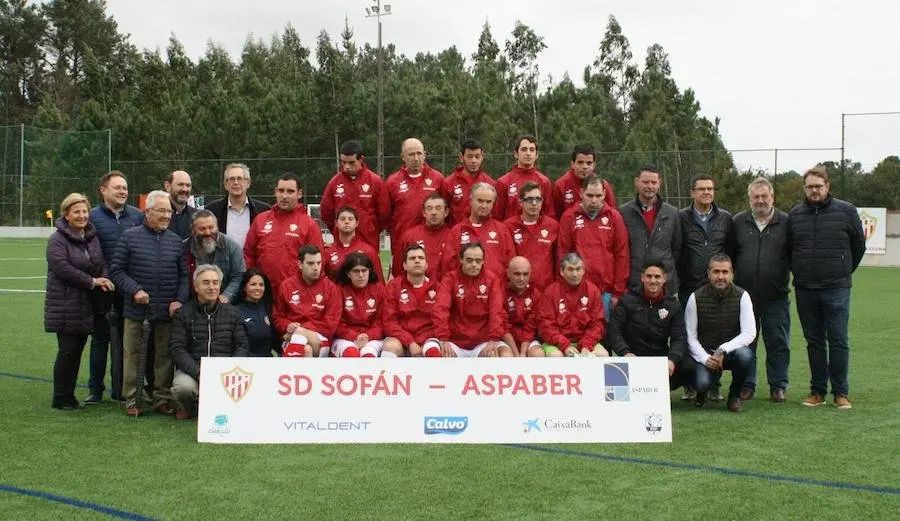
[(65, 369)]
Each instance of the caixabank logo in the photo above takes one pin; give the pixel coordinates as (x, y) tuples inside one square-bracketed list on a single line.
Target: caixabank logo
[(615, 376)]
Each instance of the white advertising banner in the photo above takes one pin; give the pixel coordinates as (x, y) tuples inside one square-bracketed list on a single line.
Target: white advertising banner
[(874, 222), (417, 400)]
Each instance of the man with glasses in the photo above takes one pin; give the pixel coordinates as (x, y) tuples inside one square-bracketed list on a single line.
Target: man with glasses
[(235, 212), (535, 235), (827, 245)]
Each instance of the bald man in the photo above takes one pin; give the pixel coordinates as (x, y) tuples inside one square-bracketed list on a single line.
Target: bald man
[(521, 309), (407, 190), (178, 184)]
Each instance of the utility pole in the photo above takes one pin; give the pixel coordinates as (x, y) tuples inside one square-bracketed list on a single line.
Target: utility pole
[(377, 11)]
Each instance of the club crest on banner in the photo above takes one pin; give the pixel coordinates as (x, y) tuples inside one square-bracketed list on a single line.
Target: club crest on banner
[(236, 383)]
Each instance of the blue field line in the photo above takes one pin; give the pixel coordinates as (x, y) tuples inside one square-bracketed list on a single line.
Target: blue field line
[(35, 379), (77, 503), (709, 468)]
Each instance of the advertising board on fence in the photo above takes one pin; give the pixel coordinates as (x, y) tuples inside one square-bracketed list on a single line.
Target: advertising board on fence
[(874, 222), (407, 400)]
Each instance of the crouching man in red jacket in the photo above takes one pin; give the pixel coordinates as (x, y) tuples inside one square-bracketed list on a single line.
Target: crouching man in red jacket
[(469, 318), (570, 313)]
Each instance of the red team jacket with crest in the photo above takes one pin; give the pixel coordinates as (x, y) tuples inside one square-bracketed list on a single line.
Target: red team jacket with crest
[(407, 196), (366, 194), (314, 306), (362, 312), (458, 188), (408, 310), (603, 244), (335, 255), (537, 243), (521, 314), (434, 241), (508, 205), (494, 237), (567, 193), (571, 314), (275, 238), (469, 310)]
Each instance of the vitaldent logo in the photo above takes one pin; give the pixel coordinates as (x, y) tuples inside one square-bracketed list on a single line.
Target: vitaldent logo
[(446, 424), (615, 376)]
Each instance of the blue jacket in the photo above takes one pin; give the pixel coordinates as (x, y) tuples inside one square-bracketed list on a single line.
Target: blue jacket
[(827, 244), (260, 331), (228, 257), (109, 227), (151, 261)]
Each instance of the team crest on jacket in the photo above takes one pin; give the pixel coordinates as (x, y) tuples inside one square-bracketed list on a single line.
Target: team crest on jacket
[(334, 257), (421, 242), (492, 235), (268, 226), (579, 222), (562, 306), (348, 303), (365, 187), (512, 189), (319, 298), (236, 383), (510, 303), (339, 191), (431, 293), (663, 313), (460, 291), (404, 297), (527, 302), (569, 195), (482, 288), (293, 227), (403, 186), (457, 191), (518, 237), (428, 182), (464, 237), (584, 301), (604, 220), (295, 298), (371, 302), (545, 233)]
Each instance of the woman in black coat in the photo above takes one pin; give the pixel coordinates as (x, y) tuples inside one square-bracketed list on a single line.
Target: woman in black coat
[(76, 277), (255, 303)]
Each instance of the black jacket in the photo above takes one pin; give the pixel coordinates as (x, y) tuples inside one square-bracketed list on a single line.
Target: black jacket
[(762, 259), (646, 329), (261, 335), (72, 264), (827, 244), (697, 246), (154, 262), (181, 221), (199, 331), (663, 244), (219, 208)]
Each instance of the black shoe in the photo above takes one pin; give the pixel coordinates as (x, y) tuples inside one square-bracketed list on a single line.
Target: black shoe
[(700, 399), (93, 399), (67, 405), (117, 397)]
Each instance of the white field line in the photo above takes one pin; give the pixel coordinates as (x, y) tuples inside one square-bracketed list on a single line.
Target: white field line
[(5, 290), (16, 259), (24, 278)]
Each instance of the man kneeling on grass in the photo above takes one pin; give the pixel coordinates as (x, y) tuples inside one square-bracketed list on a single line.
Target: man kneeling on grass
[(204, 327)]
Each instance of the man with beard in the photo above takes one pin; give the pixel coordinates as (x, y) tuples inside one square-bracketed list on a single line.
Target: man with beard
[(207, 245), (430, 235), (525, 152), (458, 185), (720, 325), (567, 189), (235, 212), (205, 327), (178, 185), (493, 236)]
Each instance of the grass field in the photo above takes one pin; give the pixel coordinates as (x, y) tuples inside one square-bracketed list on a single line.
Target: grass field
[(773, 461)]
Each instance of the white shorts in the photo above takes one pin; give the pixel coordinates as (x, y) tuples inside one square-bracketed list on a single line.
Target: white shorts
[(475, 351), (372, 347)]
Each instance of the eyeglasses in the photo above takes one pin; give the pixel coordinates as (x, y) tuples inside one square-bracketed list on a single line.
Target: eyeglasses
[(814, 187), (236, 179), (532, 200), (162, 210)]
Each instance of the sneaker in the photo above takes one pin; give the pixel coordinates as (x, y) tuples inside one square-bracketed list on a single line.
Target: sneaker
[(700, 399), (134, 411), (715, 394), (164, 409), (842, 402), (690, 394), (815, 400), (93, 399)]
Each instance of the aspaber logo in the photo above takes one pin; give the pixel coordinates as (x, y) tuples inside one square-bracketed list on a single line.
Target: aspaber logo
[(446, 424)]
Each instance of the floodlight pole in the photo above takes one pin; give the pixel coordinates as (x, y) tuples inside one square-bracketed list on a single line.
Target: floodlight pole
[(376, 12), (21, 172)]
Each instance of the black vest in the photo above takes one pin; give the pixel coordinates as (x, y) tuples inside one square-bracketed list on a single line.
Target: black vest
[(718, 316)]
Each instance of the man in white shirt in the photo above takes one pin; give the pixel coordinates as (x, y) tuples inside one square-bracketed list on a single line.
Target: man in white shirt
[(235, 212), (720, 325)]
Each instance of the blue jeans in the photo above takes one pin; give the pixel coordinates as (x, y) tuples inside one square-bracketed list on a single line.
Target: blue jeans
[(825, 317), (773, 322), (100, 346), (737, 361)]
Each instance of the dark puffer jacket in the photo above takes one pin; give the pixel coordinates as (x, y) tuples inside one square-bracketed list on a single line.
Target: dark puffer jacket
[(662, 244), (648, 329), (151, 261), (827, 244), (199, 331), (73, 262), (109, 226), (698, 246)]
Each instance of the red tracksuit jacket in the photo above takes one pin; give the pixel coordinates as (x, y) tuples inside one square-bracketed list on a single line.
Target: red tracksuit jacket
[(335, 255), (314, 306), (275, 238), (469, 310), (521, 314), (494, 237), (407, 195), (603, 244), (408, 310), (366, 194), (537, 243), (567, 193), (433, 240), (363, 308), (508, 205), (567, 314), (458, 188)]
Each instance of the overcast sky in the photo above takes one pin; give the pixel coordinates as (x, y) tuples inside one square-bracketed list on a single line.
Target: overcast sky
[(778, 73)]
